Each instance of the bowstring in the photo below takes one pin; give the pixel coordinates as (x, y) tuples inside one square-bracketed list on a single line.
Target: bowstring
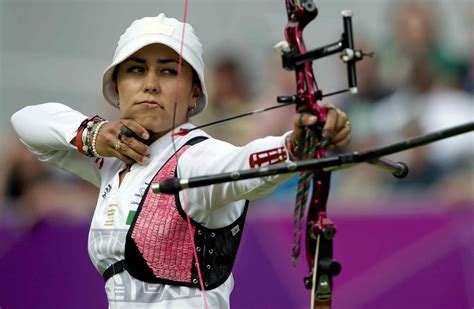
[(184, 204)]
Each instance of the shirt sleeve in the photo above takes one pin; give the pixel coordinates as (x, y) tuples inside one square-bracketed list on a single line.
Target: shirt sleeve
[(214, 157), (47, 130)]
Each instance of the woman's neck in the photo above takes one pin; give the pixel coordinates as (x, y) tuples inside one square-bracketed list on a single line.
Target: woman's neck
[(154, 136)]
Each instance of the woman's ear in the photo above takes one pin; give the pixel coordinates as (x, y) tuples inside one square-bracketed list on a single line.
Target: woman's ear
[(196, 94), (197, 91)]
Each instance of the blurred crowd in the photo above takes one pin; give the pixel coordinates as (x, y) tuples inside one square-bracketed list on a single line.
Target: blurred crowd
[(414, 84)]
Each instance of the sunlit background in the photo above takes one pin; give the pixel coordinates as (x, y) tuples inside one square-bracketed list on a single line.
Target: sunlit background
[(402, 243)]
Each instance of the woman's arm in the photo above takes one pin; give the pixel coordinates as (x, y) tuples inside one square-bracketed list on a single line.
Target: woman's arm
[(215, 157), (48, 130)]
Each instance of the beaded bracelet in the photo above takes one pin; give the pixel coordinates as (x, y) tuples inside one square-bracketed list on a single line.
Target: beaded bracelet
[(85, 141), (95, 132)]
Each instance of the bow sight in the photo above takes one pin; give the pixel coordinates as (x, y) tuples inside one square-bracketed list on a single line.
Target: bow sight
[(292, 59)]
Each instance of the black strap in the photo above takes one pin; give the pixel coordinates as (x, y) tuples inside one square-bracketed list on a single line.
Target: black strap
[(114, 269), (195, 140)]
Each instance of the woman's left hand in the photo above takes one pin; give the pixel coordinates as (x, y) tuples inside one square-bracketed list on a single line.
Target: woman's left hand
[(336, 130)]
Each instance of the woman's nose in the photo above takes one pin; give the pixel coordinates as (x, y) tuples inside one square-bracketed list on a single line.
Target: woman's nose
[(151, 83)]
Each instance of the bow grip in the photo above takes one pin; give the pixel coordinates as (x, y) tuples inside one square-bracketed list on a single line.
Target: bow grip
[(319, 111)]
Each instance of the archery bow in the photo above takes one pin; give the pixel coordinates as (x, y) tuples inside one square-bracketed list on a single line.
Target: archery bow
[(315, 166), (320, 229)]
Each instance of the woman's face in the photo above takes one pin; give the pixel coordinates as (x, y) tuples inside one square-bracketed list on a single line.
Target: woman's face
[(146, 84)]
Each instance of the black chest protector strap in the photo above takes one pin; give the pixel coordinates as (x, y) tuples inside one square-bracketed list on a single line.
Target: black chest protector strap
[(114, 269)]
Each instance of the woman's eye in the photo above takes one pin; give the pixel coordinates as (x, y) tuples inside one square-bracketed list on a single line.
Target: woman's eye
[(169, 71), (135, 69)]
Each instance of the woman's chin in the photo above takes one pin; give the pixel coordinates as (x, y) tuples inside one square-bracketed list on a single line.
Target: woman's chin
[(152, 124)]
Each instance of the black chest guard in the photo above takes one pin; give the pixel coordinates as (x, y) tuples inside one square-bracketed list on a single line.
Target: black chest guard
[(170, 259)]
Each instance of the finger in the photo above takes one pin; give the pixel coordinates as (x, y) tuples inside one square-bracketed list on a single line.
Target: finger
[(116, 150), (331, 120), (344, 142), (137, 146), (304, 120), (124, 158), (342, 134), (300, 121), (136, 128), (341, 122), (126, 150)]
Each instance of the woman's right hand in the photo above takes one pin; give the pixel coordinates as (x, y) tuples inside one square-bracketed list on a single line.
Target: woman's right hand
[(128, 149)]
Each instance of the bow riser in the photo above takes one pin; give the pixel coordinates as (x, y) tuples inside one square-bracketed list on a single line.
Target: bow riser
[(319, 229), (298, 18)]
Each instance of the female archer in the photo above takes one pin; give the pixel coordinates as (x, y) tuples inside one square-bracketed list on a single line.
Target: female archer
[(143, 244)]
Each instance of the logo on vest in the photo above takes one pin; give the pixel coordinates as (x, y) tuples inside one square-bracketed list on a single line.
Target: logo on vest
[(111, 210), (107, 190), (138, 195), (235, 230)]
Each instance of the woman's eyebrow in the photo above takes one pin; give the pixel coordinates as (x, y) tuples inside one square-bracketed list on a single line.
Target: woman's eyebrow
[(135, 59), (167, 60), (159, 61)]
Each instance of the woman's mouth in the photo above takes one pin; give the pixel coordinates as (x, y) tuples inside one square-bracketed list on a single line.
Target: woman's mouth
[(150, 103)]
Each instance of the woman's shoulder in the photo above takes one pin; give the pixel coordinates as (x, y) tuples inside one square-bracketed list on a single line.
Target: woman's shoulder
[(213, 144), (209, 142)]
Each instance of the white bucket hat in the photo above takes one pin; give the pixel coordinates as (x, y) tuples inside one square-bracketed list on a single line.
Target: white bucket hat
[(163, 30)]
